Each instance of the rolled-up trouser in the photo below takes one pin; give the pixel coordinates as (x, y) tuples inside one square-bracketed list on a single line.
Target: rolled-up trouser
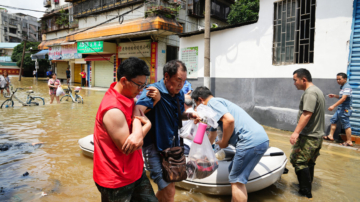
[(342, 115), (153, 164)]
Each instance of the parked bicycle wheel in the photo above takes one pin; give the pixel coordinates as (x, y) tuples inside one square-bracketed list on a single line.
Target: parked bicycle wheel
[(65, 96), (40, 99), (7, 103), (79, 99)]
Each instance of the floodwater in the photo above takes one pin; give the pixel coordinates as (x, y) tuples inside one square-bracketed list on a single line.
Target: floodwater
[(59, 169)]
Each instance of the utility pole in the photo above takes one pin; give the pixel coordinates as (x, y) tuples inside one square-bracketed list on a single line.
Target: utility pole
[(207, 45), (22, 59)]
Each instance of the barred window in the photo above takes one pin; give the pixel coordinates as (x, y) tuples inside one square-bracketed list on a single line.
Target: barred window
[(294, 31)]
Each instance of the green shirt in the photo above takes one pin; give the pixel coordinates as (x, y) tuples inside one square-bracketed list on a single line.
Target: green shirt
[(313, 100)]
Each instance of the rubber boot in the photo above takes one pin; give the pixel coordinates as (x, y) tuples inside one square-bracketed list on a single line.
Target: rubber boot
[(304, 182), (311, 169)]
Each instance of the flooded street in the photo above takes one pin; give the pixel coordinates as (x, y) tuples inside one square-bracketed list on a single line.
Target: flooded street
[(59, 169)]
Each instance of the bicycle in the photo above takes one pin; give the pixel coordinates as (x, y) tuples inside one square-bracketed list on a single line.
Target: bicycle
[(29, 100), (68, 93)]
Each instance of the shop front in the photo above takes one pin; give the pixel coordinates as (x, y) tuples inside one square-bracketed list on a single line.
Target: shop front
[(140, 49), (75, 61), (55, 56), (100, 62)]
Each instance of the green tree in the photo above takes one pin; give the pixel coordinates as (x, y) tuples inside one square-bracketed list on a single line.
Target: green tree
[(243, 11), (28, 65)]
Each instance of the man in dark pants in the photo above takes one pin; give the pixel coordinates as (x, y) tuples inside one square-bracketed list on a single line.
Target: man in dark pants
[(68, 75), (160, 102), (307, 137), (118, 137)]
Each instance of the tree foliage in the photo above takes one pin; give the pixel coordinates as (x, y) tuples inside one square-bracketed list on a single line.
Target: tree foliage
[(28, 64), (244, 11), (62, 19)]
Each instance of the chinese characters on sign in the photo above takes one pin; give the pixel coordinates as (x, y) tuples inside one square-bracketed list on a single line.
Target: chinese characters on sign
[(55, 53), (70, 52), (10, 71), (137, 49), (153, 62), (90, 47), (190, 57)]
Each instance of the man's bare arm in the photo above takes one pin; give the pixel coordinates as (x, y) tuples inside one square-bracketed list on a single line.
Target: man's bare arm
[(339, 102), (139, 113), (303, 121), (117, 128), (228, 129), (212, 136)]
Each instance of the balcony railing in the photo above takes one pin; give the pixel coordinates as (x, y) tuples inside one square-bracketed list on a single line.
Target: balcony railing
[(53, 28), (89, 7), (57, 7), (74, 24)]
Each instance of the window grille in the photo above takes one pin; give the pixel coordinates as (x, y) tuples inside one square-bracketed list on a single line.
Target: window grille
[(294, 31)]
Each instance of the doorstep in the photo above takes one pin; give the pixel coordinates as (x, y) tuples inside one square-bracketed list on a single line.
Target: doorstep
[(354, 138)]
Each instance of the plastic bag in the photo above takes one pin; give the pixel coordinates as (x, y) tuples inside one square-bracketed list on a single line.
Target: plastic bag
[(60, 91), (208, 114), (188, 131), (202, 161)]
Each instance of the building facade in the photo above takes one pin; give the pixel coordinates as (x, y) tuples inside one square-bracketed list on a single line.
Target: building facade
[(148, 30), (14, 27), (253, 64)]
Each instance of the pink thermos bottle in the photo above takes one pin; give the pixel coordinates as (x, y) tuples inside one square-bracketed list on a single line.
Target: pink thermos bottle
[(200, 133)]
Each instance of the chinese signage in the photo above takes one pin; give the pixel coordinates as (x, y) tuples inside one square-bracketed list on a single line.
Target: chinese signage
[(190, 57), (136, 49), (153, 62), (10, 71), (90, 47), (70, 52), (55, 53)]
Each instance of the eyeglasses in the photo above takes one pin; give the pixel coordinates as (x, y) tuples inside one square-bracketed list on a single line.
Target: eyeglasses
[(138, 85)]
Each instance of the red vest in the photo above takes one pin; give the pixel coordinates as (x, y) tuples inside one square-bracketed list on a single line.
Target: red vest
[(112, 168)]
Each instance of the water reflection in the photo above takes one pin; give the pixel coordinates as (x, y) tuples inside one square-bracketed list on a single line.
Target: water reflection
[(58, 167)]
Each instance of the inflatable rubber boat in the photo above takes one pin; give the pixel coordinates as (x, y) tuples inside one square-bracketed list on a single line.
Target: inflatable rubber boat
[(267, 171)]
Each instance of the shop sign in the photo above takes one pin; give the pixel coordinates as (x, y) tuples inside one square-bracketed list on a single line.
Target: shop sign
[(136, 49), (154, 46), (90, 47), (9, 71), (55, 53), (70, 52), (189, 56)]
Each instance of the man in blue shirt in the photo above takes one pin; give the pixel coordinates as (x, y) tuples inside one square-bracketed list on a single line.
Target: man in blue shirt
[(187, 88), (240, 130), (343, 111), (160, 102)]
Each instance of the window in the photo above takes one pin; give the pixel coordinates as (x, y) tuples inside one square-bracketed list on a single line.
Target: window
[(196, 9), (172, 53), (294, 31), (12, 30), (183, 25), (219, 10)]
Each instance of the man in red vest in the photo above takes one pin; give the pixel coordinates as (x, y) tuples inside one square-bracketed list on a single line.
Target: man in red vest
[(118, 137)]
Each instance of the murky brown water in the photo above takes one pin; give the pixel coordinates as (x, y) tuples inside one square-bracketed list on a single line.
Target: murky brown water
[(59, 168)]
